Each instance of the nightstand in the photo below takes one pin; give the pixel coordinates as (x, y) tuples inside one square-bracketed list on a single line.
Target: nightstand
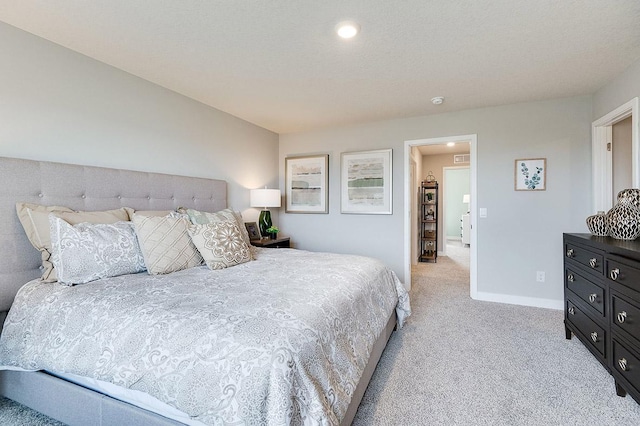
[(269, 243)]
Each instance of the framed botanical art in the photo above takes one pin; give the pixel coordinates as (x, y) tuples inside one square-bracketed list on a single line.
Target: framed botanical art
[(307, 184), (366, 186), (531, 174)]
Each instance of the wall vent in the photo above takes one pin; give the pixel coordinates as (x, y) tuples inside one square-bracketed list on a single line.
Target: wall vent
[(461, 158)]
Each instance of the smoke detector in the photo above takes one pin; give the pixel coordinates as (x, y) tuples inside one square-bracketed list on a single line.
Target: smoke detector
[(438, 100)]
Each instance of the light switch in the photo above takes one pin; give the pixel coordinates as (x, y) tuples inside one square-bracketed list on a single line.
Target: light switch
[(483, 212)]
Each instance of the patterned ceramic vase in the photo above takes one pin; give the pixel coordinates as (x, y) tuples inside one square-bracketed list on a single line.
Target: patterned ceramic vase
[(623, 220), (597, 224), (632, 194)]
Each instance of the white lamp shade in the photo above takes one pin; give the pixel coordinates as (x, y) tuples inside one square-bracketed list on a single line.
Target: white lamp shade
[(466, 198), (265, 198)]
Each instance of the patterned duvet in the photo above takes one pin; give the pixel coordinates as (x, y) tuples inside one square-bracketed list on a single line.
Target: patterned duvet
[(280, 340)]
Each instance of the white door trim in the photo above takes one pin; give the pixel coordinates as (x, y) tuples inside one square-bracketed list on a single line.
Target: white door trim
[(473, 170), (444, 205), (602, 159)]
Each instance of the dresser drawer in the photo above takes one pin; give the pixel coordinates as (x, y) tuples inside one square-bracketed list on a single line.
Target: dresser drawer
[(621, 273), (591, 259), (594, 334), (626, 364), (593, 294), (625, 316)]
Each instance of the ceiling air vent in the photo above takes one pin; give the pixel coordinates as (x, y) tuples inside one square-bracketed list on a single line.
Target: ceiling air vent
[(461, 158)]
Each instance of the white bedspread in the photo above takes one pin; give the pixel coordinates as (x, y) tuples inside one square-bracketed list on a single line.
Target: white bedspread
[(280, 340)]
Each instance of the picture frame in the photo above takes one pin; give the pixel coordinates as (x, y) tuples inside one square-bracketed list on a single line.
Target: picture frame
[(530, 174), (366, 185), (253, 230), (307, 184)]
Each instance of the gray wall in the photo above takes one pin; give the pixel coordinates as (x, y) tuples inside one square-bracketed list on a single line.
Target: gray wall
[(59, 105), (523, 231), (622, 155), (617, 92)]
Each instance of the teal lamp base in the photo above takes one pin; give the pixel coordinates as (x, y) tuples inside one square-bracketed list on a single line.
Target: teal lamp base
[(264, 222)]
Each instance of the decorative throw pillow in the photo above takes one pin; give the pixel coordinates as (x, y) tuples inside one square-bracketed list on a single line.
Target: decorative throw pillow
[(35, 221), (220, 244), (201, 218), (86, 252), (131, 212), (165, 244)]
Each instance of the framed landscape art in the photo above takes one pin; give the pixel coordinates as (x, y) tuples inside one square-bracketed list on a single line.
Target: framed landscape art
[(307, 184), (366, 182)]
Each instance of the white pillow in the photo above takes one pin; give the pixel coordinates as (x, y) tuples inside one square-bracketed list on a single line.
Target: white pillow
[(86, 252), (165, 243), (220, 244)]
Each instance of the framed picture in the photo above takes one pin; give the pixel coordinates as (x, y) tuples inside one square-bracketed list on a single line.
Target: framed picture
[(253, 230), (531, 174), (366, 186), (307, 184)]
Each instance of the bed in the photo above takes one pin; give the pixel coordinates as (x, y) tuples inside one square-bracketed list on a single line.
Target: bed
[(269, 302)]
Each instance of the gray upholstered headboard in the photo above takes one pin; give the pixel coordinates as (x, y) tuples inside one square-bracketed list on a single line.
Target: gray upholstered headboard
[(83, 188)]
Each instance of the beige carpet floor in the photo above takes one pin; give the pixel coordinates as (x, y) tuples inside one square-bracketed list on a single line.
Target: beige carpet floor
[(464, 362)]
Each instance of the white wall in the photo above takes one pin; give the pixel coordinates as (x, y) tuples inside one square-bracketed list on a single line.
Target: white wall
[(59, 105), (617, 92), (523, 231)]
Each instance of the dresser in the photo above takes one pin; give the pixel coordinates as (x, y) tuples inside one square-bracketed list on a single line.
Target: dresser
[(602, 304)]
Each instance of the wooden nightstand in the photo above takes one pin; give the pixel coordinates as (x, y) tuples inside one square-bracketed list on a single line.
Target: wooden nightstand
[(269, 243)]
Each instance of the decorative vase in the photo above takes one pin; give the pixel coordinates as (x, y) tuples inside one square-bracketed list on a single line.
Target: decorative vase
[(623, 220), (632, 194), (597, 224), (264, 221), (274, 235)]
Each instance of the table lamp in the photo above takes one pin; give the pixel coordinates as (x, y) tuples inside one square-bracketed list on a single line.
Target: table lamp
[(466, 199), (265, 198)]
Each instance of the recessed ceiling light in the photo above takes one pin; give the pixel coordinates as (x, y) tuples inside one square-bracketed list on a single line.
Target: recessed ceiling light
[(438, 100), (451, 144), (347, 29)]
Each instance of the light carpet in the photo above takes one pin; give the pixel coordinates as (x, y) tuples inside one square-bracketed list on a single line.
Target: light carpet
[(465, 362)]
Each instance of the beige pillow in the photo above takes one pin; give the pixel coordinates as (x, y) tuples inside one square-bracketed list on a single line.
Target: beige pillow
[(201, 218), (165, 243), (35, 221), (131, 211), (220, 244)]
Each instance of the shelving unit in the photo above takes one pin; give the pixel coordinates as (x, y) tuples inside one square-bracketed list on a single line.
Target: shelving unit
[(428, 221)]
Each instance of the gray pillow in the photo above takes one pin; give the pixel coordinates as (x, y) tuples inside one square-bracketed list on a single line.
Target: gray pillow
[(86, 252)]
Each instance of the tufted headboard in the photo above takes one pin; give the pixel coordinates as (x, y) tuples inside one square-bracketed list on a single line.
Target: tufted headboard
[(83, 188)]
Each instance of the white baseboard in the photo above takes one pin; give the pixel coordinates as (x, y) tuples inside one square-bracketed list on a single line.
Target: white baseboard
[(519, 300)]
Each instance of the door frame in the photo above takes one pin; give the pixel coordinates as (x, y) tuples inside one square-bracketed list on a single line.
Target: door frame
[(444, 204), (602, 159), (472, 139)]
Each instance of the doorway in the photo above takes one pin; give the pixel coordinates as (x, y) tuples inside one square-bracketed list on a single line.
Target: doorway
[(411, 216), (602, 155)]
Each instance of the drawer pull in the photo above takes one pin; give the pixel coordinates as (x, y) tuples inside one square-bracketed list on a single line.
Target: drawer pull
[(614, 274), (594, 336), (572, 310), (570, 252), (622, 362), (622, 317), (571, 278), (593, 262), (592, 297)]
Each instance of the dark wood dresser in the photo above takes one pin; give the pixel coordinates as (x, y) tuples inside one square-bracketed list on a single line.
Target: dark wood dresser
[(602, 304)]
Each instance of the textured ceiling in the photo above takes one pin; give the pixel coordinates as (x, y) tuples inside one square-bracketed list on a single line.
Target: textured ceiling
[(279, 64)]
